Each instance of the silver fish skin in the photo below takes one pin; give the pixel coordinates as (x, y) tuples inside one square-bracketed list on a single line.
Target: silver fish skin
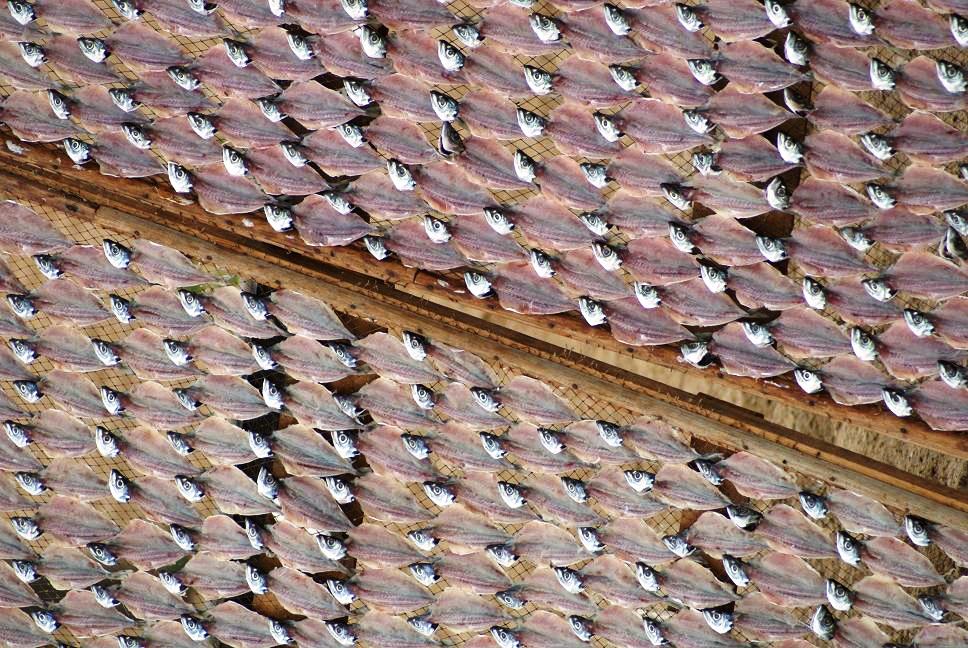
[(813, 505), (23, 12)]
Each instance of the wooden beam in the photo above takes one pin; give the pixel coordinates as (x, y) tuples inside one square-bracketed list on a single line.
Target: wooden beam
[(704, 417), (44, 167)]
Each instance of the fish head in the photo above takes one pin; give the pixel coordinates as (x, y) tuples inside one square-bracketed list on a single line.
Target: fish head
[(280, 632), (856, 238), (103, 596), (415, 445), (590, 540), (451, 58), (270, 110), (813, 293), (25, 570), (31, 483), (293, 154), (272, 395), (279, 218), (177, 352), (839, 597), (743, 516), (607, 127), (355, 9), (877, 145), (698, 122), (124, 99), (372, 42), (581, 626), (202, 7), (575, 489), (653, 632), (952, 246), (772, 249), (234, 161), (823, 624), (119, 486), (696, 353), (117, 255), (502, 554), (861, 20), (344, 442), (260, 444), (79, 152), (253, 533), (624, 77), (777, 13), (28, 390), (918, 530), (959, 29), (236, 52), (181, 537), (266, 484), (444, 106), (677, 196), (704, 71), (813, 505), (592, 311), (544, 27), (32, 53), (257, 308), (468, 34), (808, 380), (550, 441), (735, 570), (955, 376), (540, 82), (190, 489), (300, 45), (436, 229), (339, 203), (541, 263), (339, 490), (882, 75), (569, 579), (416, 345), (422, 539), (647, 295), (441, 494), (848, 547), (191, 302), (707, 469), (777, 194), (45, 620), (340, 590), (688, 18), (510, 598), (607, 256), (127, 9), (47, 264), (879, 196), (897, 402), (720, 619), (595, 174), (511, 494), (932, 606), (105, 353), (862, 344), (423, 625), (256, 580), (341, 633), (492, 445), (713, 277), (186, 399), (193, 627), (400, 176), (179, 178), (616, 20), (610, 433), (678, 545), (171, 583), (498, 221), (423, 573), (524, 166), (25, 527), (795, 49), (93, 48), (183, 78), (757, 334), (277, 8), (106, 443), (640, 481), (878, 289), (128, 641), (790, 150), (59, 104), (331, 547), (18, 434), (595, 223), (449, 142), (505, 638), (478, 285), (647, 577), (22, 12)]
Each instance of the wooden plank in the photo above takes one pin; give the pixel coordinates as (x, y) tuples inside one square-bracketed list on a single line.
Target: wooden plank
[(47, 168), (703, 416)]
